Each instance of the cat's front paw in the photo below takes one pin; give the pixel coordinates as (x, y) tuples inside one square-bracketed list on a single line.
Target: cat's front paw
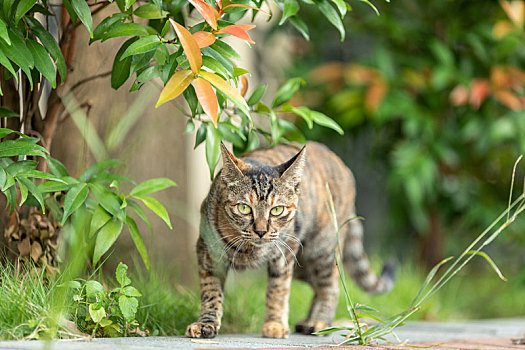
[(202, 330), (275, 329), (308, 327)]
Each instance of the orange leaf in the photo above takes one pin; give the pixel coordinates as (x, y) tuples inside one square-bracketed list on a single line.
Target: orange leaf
[(204, 39), (207, 98), (459, 96), (479, 91), (207, 11), (178, 82), (238, 30), (222, 85), (508, 99), (189, 45), (247, 6)]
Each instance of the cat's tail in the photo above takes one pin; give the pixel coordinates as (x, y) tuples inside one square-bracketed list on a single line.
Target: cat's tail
[(358, 266)]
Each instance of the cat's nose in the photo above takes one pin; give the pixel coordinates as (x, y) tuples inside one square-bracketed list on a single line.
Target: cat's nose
[(260, 233)]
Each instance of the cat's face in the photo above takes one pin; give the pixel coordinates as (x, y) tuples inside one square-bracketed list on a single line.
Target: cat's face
[(260, 201)]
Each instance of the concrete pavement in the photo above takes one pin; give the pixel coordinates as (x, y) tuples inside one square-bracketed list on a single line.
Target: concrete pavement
[(434, 332)]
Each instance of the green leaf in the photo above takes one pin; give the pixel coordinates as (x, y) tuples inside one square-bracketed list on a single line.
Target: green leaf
[(200, 136), (52, 186), (22, 8), (19, 54), (34, 191), (238, 71), (256, 95), (43, 62), (108, 200), (138, 210), (490, 261), (56, 167), (51, 46), (16, 168), (225, 50), (128, 3), (106, 23), (130, 291), (213, 151), (290, 9), (81, 8), (299, 24), (70, 284), (303, 112), (3, 178), (4, 131), (125, 29), (23, 192), (94, 289), (21, 147), (100, 218), (150, 11), (97, 168), (70, 11), (155, 206), (107, 235), (3, 32), (7, 113), (139, 244), (286, 91), (321, 119), (333, 17), (142, 45), (74, 199), (7, 64), (216, 66), (151, 186), (122, 275), (121, 68), (128, 306), (41, 175), (96, 314), (11, 197), (341, 7)]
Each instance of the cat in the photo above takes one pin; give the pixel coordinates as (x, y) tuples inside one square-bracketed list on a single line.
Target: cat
[(269, 207)]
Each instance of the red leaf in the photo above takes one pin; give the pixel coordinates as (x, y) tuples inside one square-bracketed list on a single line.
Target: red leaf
[(207, 99), (239, 31), (207, 11), (204, 39), (189, 45)]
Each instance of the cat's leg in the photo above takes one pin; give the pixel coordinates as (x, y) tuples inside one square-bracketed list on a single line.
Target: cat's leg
[(325, 283), (212, 279), (280, 271)]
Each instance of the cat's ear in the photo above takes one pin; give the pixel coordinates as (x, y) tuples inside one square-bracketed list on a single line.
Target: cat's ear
[(292, 170), (232, 166)]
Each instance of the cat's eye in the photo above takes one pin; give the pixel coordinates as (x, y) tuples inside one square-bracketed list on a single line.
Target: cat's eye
[(244, 209), (276, 211)]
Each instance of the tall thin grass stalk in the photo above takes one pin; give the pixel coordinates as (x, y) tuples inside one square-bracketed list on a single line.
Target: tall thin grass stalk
[(362, 334)]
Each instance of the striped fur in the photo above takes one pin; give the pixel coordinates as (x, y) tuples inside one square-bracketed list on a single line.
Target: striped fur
[(299, 242)]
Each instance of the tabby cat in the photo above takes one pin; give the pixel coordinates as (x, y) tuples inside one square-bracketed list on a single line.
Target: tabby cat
[(269, 208)]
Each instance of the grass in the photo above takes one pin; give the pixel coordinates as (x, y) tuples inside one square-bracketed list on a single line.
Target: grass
[(166, 309), (170, 309), (25, 308)]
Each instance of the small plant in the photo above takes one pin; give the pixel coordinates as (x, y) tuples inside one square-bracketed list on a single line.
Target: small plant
[(103, 313), (363, 333)]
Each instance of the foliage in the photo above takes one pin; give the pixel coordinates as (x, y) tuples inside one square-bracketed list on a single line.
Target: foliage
[(443, 96), (191, 60), (101, 211), (99, 312)]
